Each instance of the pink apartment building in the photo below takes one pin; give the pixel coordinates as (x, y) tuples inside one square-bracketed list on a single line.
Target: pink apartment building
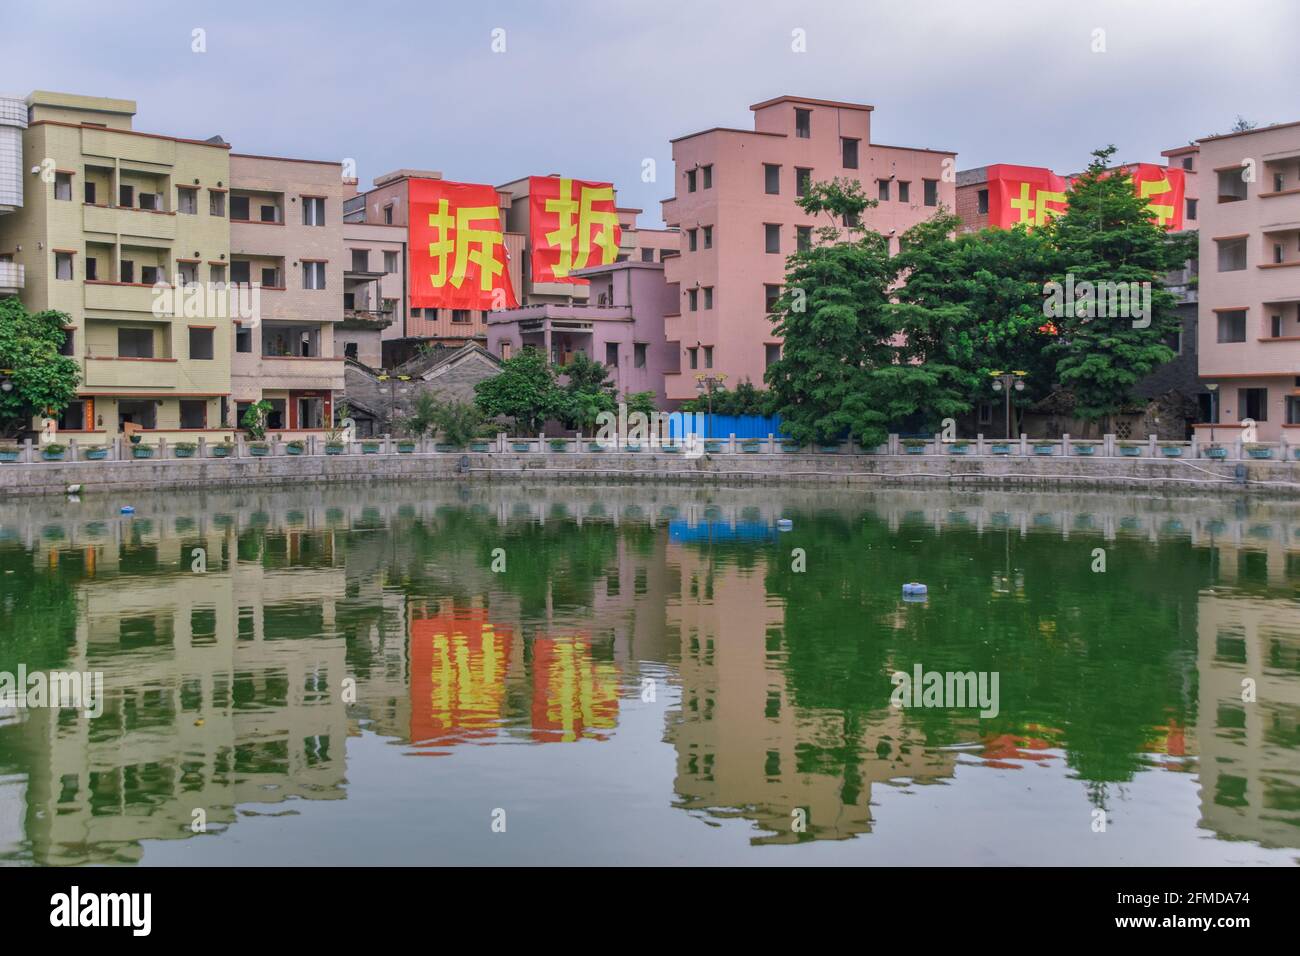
[(1250, 279), (734, 204)]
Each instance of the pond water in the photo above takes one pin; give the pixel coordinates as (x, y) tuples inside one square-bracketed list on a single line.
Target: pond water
[(453, 673)]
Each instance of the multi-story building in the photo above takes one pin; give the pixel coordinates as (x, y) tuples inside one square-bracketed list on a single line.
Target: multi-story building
[(13, 120), (1249, 287), (375, 289), (107, 212), (286, 237), (734, 203)]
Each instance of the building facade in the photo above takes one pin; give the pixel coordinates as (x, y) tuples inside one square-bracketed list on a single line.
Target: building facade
[(734, 204), (1249, 283), (107, 212), (286, 239)]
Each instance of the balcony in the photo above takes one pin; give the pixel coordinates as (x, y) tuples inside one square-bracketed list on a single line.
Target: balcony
[(114, 372), (11, 278), (365, 320), (290, 371), (119, 296), (130, 221)]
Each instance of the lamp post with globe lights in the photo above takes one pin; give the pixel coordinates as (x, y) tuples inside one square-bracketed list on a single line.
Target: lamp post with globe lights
[(1006, 382)]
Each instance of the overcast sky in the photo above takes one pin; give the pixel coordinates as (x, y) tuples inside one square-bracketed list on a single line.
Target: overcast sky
[(590, 89)]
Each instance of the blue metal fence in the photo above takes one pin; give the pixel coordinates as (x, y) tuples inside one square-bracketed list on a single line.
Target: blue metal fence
[(720, 426)]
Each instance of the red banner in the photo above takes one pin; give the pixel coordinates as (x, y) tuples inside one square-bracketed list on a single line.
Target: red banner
[(1033, 194), (573, 225), (458, 252)]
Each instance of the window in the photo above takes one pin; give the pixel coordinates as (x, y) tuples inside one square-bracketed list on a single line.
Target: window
[(1279, 252), (984, 413), (771, 237), (882, 190), (89, 193), (1191, 209), (1275, 328), (708, 237), (691, 237), (126, 196), (690, 180), (350, 350), (150, 201), (904, 192), (313, 275), (1279, 182), (63, 186), (216, 204), (708, 296), (611, 354), (127, 271), (388, 215), (239, 208), (1187, 162), (92, 269), (1232, 326), (852, 221), (243, 339), (647, 255), (200, 344), (187, 200), (848, 152), (1232, 187), (802, 124), (1232, 254), (187, 273), (73, 417), (771, 354), (803, 238), (271, 279), (931, 191), (135, 343), (983, 200), (706, 174), (770, 294), (313, 210), (63, 265), (708, 356), (1252, 403), (239, 272), (360, 260), (1293, 409), (217, 274), (693, 299), (772, 179), (460, 316), (269, 214), (194, 414), (66, 347), (802, 180), (390, 261), (638, 355), (152, 275), (695, 357), (505, 350)]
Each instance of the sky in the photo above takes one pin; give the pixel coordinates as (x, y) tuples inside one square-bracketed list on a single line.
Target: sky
[(593, 89)]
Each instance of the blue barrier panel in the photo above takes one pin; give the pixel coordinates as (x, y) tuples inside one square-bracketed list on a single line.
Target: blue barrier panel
[(720, 426)]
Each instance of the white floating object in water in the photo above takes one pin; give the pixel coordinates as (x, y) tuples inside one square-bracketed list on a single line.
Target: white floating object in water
[(74, 489), (784, 524), (914, 588), (127, 510)]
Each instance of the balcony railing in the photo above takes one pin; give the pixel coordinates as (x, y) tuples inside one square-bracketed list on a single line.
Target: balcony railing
[(11, 277)]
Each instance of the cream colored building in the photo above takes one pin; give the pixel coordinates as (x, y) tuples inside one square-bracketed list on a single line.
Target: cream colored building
[(107, 212)]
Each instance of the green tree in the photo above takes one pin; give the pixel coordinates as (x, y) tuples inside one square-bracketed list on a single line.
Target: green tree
[(460, 422), (1107, 235), (42, 381), (586, 393), (424, 415), (254, 420), (643, 402), (524, 390), (837, 321)]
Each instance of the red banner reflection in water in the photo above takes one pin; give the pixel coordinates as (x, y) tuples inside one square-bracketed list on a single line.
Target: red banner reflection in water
[(458, 677), (574, 695)]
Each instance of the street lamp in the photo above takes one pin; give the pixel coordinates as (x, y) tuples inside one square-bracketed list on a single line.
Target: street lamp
[(1213, 389), (706, 384), (1006, 382)]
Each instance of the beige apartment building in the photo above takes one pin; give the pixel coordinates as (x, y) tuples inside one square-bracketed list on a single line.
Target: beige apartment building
[(286, 240), (106, 212), (1250, 280)]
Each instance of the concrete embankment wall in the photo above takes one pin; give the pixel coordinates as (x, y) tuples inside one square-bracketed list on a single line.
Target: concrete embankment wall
[(964, 471)]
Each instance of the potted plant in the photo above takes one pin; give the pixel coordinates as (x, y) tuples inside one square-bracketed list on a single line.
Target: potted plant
[(632, 446), (1084, 448), (1171, 450), (789, 446), (1001, 448), (184, 449), (371, 446), (481, 444), (222, 449), (142, 451), (829, 447), (596, 446), (53, 451), (1216, 451), (914, 446), (406, 446), (559, 445), (1130, 449), (1256, 450), (713, 445), (750, 446), (8, 452), (259, 449), (295, 447), (520, 446), (959, 448), (94, 452), (672, 448), (1042, 448)]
